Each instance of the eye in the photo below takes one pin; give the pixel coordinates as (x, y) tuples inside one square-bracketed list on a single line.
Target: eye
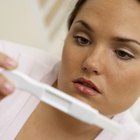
[(82, 41), (124, 55)]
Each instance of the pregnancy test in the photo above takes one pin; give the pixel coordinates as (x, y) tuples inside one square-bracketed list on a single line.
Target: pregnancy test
[(62, 101)]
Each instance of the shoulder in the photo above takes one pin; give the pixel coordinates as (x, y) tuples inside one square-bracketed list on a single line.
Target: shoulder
[(130, 128), (18, 51), (127, 119), (38, 63)]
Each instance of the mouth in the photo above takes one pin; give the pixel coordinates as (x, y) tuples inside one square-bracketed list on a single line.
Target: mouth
[(86, 86)]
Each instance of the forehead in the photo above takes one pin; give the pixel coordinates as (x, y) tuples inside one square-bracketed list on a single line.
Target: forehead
[(112, 8), (118, 14)]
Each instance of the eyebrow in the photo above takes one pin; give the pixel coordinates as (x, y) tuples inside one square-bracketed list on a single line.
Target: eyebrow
[(86, 25), (119, 39), (126, 40)]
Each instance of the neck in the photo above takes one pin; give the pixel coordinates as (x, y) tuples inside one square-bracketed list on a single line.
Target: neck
[(67, 125), (73, 126)]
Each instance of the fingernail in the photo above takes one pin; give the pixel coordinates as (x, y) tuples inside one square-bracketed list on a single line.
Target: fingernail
[(7, 88), (11, 62)]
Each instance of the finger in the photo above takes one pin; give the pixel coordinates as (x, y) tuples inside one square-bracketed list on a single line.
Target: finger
[(7, 62), (6, 88), (1, 97)]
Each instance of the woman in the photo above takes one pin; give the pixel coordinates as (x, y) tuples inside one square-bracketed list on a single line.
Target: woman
[(100, 65)]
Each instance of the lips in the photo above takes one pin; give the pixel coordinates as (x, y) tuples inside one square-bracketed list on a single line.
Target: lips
[(86, 86)]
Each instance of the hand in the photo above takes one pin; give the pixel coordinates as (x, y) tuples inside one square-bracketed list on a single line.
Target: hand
[(6, 88)]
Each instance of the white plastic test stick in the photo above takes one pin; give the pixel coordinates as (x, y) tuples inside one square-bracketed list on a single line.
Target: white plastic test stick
[(62, 101)]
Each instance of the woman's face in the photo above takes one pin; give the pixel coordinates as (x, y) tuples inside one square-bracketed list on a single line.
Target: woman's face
[(101, 55)]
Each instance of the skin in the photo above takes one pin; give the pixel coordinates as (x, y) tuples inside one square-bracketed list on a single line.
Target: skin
[(103, 57)]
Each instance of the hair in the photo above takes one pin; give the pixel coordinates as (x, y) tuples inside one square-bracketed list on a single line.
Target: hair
[(74, 12)]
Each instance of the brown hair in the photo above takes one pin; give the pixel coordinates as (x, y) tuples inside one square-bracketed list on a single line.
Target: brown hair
[(75, 11)]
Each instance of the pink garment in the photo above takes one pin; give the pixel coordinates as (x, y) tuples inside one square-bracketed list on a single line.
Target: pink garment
[(16, 109), (131, 129)]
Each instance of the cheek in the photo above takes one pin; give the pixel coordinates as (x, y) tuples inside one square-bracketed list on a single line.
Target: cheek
[(128, 81), (125, 88), (69, 66), (72, 58), (68, 60), (124, 78), (121, 89)]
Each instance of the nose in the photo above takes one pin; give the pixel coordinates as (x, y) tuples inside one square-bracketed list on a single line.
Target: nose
[(95, 62)]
